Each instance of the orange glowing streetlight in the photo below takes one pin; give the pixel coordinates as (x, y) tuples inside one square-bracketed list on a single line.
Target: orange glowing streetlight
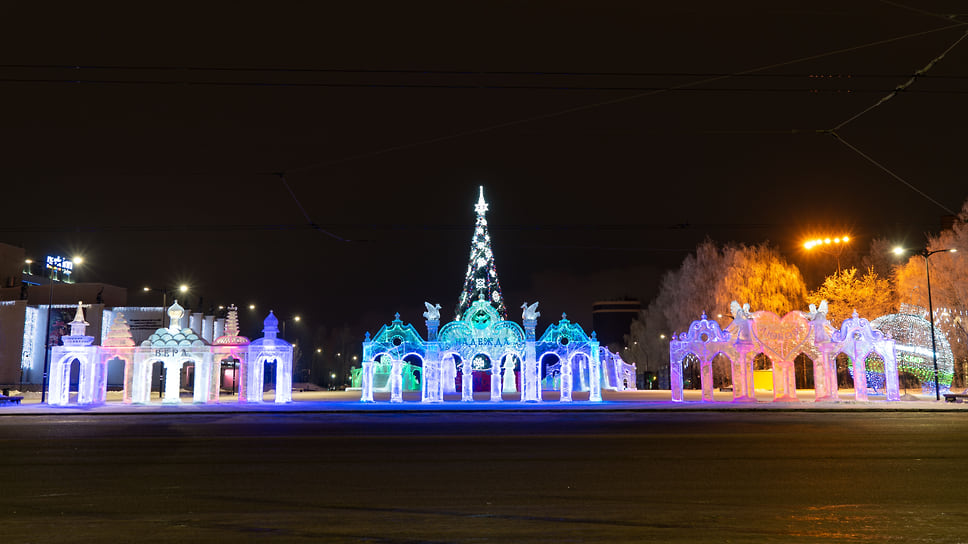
[(833, 246)]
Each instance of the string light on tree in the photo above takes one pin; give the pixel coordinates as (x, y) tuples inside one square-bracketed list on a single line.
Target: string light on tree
[(481, 279)]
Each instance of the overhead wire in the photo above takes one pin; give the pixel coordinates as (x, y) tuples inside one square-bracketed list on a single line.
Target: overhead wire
[(900, 88), (618, 100)]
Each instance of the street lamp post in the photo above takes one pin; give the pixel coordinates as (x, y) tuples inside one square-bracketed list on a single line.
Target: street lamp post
[(934, 347), (50, 303), (831, 246), (164, 308), (47, 346), (183, 288)]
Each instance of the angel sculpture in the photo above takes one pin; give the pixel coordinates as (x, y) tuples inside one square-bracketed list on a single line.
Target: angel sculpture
[(817, 316), (741, 325), (433, 312), (530, 312)]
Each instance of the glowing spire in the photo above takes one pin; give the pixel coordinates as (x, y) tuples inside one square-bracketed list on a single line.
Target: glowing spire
[(481, 206)]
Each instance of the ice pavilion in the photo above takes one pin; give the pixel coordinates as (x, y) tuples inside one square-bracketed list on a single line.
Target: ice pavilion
[(176, 348)]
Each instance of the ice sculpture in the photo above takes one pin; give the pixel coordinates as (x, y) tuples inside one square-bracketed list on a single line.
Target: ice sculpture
[(118, 343), (76, 346), (467, 381), (480, 333), (566, 380), (781, 339), (265, 350), (174, 348), (234, 348), (510, 384)]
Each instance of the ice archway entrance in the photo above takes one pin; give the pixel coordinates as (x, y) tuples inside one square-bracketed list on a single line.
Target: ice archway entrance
[(781, 340), (481, 346)]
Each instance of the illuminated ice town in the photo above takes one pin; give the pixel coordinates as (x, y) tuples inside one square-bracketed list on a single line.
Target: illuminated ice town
[(170, 355)]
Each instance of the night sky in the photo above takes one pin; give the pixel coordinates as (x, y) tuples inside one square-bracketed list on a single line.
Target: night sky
[(607, 136)]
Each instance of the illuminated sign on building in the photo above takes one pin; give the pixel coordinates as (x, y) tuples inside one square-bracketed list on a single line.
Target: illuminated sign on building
[(60, 268), (60, 264)]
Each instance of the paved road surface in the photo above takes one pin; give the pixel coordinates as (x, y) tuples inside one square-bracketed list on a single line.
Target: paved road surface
[(486, 477)]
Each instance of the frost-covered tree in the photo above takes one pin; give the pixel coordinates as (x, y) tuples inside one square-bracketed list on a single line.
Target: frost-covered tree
[(707, 281), (760, 276), (869, 294), (880, 258)]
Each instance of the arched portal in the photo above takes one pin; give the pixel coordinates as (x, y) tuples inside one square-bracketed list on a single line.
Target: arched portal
[(549, 364), (722, 373), (229, 374), (450, 362), (157, 377), (116, 373)]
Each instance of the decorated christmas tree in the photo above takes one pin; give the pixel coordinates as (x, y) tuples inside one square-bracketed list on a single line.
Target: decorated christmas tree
[(481, 277)]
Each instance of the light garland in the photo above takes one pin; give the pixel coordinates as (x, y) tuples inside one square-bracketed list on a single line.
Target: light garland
[(912, 336), (30, 328)]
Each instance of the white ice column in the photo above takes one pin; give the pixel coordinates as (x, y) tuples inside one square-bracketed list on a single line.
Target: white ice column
[(706, 379), (206, 380), (860, 377), (890, 371), (784, 382), (432, 390), (87, 382), (208, 328), (595, 371), (496, 381), (396, 381), (172, 383), (567, 379), (255, 380), (58, 386), (675, 379), (367, 382), (530, 367), (825, 376), (140, 381), (284, 379), (467, 382), (595, 375), (743, 389), (195, 322)]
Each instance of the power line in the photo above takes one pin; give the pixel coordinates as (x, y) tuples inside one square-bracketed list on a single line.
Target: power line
[(903, 87), (585, 107), (474, 87), (432, 227), (437, 72)]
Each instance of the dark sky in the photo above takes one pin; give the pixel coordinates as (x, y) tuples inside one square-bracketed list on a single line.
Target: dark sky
[(605, 136)]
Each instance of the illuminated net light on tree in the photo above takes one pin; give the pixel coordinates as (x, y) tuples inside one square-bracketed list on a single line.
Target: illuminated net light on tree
[(911, 331), (480, 281)]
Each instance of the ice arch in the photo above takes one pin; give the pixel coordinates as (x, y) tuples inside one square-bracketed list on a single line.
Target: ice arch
[(780, 339)]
